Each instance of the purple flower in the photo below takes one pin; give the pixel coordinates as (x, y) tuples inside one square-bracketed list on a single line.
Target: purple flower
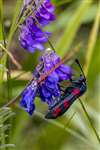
[(50, 88), (28, 96), (31, 36)]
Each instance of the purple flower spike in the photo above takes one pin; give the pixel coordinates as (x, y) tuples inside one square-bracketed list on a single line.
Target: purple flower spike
[(31, 36), (28, 96), (50, 88)]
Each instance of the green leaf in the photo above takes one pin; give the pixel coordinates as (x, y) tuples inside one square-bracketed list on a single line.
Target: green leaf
[(72, 27), (1, 19), (2, 39), (5, 114), (64, 17), (14, 21), (59, 3), (92, 40)]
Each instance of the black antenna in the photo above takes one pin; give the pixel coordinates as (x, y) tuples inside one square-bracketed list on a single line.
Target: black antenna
[(77, 61)]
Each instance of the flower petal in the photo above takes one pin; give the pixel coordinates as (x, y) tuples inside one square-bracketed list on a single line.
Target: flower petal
[(31, 36), (64, 72), (28, 96)]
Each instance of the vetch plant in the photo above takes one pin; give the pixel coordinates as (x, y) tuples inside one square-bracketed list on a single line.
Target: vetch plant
[(31, 36), (48, 75), (49, 88)]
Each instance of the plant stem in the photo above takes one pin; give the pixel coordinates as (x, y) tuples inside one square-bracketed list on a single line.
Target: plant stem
[(94, 130)]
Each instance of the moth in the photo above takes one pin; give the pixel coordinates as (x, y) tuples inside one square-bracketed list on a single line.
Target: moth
[(71, 93)]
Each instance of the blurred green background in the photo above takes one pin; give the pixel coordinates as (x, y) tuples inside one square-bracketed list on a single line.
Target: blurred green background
[(78, 21)]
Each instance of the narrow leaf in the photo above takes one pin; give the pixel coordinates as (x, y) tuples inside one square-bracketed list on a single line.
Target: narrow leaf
[(16, 14), (72, 27), (92, 40)]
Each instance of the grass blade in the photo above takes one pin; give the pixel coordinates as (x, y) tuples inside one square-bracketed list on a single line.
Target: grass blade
[(91, 44), (92, 40), (2, 59), (62, 126), (3, 55), (5, 114), (72, 27), (86, 113), (16, 14), (1, 19), (11, 57)]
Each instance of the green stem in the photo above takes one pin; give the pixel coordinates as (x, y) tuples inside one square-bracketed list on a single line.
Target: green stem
[(11, 56), (94, 130), (67, 129), (92, 40)]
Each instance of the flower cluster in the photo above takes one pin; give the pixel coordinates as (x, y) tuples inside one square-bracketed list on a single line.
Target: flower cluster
[(32, 36), (28, 97), (49, 88)]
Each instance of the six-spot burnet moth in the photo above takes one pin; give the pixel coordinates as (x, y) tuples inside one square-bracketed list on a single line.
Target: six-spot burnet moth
[(72, 92), (38, 78)]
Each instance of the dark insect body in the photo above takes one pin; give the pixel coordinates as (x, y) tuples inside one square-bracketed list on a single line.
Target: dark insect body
[(71, 93), (60, 104)]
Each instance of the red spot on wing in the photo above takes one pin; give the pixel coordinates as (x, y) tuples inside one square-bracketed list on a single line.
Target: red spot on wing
[(57, 111), (66, 103), (76, 91)]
